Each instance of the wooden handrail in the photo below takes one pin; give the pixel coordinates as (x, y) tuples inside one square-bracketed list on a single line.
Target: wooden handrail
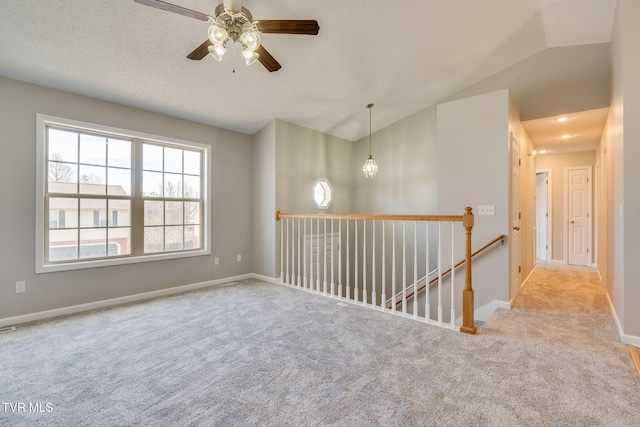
[(375, 217), (496, 240)]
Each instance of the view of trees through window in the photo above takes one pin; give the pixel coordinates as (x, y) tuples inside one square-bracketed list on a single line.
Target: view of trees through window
[(171, 190), (91, 193)]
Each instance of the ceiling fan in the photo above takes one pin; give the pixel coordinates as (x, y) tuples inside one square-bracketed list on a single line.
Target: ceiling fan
[(233, 23)]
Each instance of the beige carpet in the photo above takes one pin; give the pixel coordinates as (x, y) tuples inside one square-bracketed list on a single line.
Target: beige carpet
[(261, 354)]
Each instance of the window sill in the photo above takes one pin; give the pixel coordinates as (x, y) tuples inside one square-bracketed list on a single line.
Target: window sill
[(51, 268)]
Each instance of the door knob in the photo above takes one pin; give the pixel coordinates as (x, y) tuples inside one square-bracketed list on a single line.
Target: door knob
[(516, 228), (572, 221)]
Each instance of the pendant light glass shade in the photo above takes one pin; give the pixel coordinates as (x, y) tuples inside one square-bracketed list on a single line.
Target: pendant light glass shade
[(370, 167)]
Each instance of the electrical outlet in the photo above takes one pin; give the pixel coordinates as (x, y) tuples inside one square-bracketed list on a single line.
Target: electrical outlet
[(216, 261), (21, 287), (489, 210), (239, 258)]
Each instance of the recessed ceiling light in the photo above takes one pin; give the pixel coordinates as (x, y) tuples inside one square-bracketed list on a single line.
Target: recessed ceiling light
[(562, 119), (565, 136), (542, 151)]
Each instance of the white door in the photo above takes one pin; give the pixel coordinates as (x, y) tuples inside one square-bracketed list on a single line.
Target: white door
[(578, 211), (516, 249), (542, 217)]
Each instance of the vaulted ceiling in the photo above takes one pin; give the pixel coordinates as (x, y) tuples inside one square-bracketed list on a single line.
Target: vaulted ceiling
[(403, 56)]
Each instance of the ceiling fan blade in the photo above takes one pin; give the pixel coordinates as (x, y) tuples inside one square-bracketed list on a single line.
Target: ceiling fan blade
[(159, 4), (201, 51), (289, 26), (267, 60)]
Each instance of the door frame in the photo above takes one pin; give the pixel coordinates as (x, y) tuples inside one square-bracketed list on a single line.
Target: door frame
[(550, 216), (589, 212), (515, 253)]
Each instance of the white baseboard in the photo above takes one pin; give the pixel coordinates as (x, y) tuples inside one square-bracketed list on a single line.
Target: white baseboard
[(486, 311), (504, 304), (529, 276), (558, 261), (274, 280), (47, 314), (624, 338)]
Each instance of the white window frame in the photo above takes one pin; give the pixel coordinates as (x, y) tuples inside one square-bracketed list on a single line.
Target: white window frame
[(42, 121)]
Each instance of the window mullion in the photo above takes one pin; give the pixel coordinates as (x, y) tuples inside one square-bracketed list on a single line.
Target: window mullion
[(137, 220)]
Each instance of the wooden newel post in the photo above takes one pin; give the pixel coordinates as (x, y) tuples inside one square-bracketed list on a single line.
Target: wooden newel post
[(468, 326)]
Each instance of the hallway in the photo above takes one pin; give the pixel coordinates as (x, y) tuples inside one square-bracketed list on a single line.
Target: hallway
[(570, 344)]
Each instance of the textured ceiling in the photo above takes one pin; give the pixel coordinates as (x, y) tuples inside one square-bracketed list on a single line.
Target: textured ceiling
[(401, 56)]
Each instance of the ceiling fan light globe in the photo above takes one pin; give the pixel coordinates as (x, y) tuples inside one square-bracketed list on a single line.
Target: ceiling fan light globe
[(250, 39), (250, 56), (218, 34), (217, 51)]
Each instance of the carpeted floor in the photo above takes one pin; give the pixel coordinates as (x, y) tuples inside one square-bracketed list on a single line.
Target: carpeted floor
[(261, 354)]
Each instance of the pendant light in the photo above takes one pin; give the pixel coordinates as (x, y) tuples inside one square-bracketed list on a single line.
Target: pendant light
[(370, 167)]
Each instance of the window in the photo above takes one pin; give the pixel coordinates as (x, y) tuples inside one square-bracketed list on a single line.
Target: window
[(322, 194), (110, 196)]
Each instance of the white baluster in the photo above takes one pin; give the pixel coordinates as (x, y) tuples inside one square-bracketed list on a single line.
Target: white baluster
[(453, 276), (383, 302), (288, 271), (324, 259), (415, 269), (340, 259), (282, 251), (347, 293), (311, 255), (394, 306), (304, 254), (373, 266), (440, 273), (364, 261), (404, 268), (293, 253), (427, 304), (355, 263), (333, 283), (299, 253), (318, 256)]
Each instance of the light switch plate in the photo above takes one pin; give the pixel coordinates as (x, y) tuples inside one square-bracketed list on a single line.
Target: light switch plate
[(489, 210)]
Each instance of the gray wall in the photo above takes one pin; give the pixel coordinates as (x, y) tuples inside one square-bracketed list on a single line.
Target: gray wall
[(231, 207), (472, 153), (407, 181), (264, 201), (304, 155), (631, 204), (618, 156)]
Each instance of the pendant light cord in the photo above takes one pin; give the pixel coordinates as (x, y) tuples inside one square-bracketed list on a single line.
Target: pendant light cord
[(370, 106)]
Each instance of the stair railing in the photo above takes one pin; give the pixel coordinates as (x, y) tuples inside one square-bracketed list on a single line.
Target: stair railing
[(313, 258), (421, 287)]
